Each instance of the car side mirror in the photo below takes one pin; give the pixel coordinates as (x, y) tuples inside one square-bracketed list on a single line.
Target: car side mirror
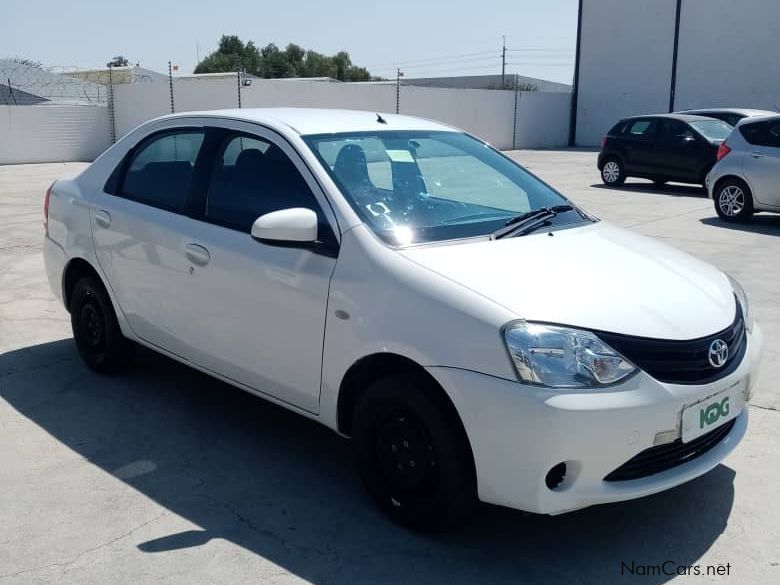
[(296, 224)]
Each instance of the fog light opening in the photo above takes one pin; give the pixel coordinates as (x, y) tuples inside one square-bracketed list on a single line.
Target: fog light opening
[(555, 476)]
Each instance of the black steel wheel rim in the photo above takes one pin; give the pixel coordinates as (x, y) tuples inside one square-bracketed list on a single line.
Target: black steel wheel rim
[(405, 454), (92, 326)]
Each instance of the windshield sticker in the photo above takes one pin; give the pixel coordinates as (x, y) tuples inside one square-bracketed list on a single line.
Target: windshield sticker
[(404, 156)]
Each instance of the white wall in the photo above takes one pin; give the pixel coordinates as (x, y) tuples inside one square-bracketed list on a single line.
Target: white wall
[(488, 114), (485, 113), (729, 54), (30, 134), (625, 62), (727, 57), (542, 119)]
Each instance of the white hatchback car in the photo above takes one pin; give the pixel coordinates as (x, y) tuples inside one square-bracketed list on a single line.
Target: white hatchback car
[(476, 334)]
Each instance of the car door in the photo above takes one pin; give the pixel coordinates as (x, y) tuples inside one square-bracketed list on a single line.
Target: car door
[(762, 163), (678, 150), (639, 145), (140, 226), (257, 310)]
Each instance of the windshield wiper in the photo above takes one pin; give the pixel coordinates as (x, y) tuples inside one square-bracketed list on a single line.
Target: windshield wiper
[(529, 221)]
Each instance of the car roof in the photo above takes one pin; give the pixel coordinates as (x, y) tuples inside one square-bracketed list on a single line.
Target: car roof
[(675, 116), (305, 121), (741, 111), (755, 120)]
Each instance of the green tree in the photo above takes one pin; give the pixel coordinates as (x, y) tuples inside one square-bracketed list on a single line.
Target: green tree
[(272, 62), (231, 55)]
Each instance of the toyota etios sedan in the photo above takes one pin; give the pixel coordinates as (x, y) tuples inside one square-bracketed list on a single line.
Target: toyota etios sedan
[(475, 333)]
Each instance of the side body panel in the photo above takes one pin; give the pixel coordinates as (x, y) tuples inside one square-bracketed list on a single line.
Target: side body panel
[(394, 305)]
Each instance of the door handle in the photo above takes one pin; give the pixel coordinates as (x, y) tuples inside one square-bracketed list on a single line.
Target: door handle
[(756, 155), (197, 254), (103, 218)]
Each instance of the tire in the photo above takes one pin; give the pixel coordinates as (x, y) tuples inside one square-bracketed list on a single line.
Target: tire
[(413, 457), (613, 173), (98, 338), (733, 201)]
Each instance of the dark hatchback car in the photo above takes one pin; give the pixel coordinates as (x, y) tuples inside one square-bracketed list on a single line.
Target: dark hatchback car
[(662, 147)]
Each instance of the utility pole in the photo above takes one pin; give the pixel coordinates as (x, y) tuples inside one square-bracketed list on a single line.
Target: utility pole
[(398, 75), (503, 61)]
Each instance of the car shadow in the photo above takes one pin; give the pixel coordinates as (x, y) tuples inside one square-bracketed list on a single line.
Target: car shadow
[(653, 189), (284, 488), (759, 224)]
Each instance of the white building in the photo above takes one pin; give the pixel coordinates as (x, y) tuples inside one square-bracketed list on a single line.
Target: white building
[(650, 56)]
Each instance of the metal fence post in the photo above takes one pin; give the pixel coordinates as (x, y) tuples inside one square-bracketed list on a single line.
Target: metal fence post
[(111, 104), (238, 84), (514, 124), (398, 75), (170, 85)]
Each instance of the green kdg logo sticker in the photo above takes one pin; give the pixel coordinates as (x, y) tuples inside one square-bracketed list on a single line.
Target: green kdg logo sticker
[(713, 412)]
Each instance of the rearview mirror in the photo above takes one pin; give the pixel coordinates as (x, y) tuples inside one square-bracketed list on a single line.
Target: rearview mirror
[(296, 224)]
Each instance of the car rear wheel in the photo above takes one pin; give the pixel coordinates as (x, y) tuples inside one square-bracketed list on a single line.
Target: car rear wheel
[(612, 173), (413, 457), (98, 338), (734, 201)]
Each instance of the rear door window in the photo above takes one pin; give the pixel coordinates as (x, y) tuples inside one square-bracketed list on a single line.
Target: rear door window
[(160, 170), (673, 131)]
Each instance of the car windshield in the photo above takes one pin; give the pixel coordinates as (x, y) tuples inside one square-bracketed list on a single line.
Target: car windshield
[(414, 187), (713, 129)]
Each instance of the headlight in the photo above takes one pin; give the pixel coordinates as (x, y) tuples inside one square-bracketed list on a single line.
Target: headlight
[(559, 357), (742, 298)]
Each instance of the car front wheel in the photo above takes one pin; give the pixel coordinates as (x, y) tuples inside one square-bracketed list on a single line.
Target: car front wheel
[(96, 331), (612, 173), (413, 455), (734, 201)]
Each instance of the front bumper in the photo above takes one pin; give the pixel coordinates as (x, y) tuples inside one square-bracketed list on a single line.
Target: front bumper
[(518, 433)]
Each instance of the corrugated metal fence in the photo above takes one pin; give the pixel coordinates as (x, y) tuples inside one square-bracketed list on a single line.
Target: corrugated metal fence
[(30, 134)]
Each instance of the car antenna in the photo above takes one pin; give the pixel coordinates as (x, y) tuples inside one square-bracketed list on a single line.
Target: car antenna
[(380, 119)]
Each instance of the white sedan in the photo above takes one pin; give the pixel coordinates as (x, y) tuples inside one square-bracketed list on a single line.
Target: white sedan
[(476, 334)]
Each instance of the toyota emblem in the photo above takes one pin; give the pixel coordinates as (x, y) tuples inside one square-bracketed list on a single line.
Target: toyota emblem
[(719, 353)]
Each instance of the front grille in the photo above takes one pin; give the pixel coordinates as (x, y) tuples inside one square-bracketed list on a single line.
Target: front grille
[(662, 457), (682, 362)]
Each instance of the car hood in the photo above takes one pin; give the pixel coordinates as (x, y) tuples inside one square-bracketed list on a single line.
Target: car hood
[(596, 277)]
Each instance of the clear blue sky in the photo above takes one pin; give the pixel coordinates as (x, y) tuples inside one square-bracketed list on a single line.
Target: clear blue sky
[(423, 37)]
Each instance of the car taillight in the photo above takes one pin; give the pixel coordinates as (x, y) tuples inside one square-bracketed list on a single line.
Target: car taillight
[(603, 142), (46, 209), (723, 150)]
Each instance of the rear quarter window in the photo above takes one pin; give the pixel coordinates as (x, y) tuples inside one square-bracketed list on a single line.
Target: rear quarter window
[(618, 128), (754, 133), (765, 133), (641, 128)]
